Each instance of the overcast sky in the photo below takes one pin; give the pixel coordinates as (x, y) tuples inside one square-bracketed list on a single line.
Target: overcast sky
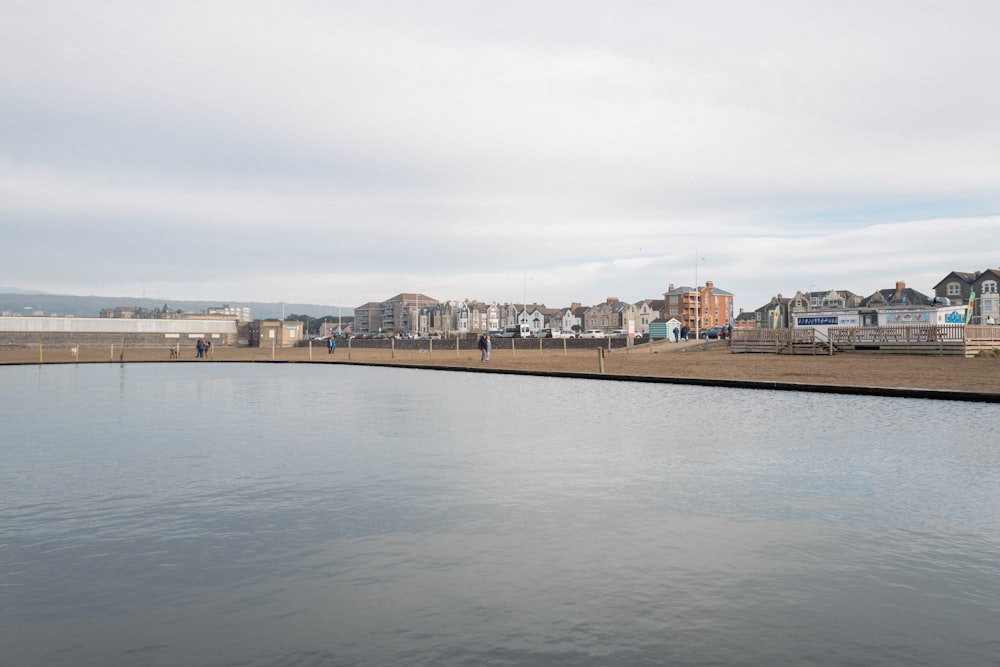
[(343, 152)]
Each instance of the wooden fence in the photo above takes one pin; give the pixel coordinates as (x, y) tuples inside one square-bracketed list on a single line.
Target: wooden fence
[(945, 339)]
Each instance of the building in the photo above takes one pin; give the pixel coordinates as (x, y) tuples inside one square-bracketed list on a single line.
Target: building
[(699, 308), (368, 318), (958, 287), (227, 312), (646, 312)]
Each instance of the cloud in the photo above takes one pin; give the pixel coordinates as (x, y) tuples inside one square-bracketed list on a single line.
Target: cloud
[(320, 151)]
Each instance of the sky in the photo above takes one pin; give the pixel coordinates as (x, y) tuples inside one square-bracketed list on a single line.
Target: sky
[(556, 152)]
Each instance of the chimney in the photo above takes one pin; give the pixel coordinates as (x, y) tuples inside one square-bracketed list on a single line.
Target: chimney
[(709, 284), (670, 287), (900, 285)]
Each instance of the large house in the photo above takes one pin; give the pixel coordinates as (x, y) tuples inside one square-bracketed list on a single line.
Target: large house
[(959, 286), (699, 308)]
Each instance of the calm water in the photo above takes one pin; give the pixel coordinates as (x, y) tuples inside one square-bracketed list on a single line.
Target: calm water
[(216, 514)]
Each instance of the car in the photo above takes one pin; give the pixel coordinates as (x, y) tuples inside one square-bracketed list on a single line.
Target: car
[(494, 333), (567, 333), (516, 331), (618, 333), (714, 332), (546, 333), (592, 333)]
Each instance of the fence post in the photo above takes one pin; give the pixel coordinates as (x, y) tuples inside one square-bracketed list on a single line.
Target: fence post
[(600, 359)]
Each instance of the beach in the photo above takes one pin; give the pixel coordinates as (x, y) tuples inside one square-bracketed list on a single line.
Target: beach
[(691, 361)]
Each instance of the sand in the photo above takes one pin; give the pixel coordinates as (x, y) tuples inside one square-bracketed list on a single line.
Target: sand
[(682, 361)]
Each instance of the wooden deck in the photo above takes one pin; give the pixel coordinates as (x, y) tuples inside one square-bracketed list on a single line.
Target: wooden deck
[(947, 339)]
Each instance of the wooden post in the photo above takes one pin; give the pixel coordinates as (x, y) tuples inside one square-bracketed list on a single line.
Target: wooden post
[(348, 349), (112, 351), (310, 349), (430, 348), (392, 348), (564, 347), (512, 346), (539, 347), (600, 359), (272, 350), (39, 353), (457, 355)]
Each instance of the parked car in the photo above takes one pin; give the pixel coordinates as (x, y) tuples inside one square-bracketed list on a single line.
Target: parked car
[(516, 331), (618, 333), (494, 333), (592, 333), (714, 332), (546, 333), (567, 333)]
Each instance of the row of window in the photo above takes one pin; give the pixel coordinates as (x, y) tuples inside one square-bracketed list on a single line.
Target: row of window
[(987, 287)]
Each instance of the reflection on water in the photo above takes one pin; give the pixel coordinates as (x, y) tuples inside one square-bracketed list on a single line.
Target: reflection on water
[(307, 515)]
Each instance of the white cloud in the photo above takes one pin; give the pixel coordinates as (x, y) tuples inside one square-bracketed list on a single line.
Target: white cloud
[(351, 151)]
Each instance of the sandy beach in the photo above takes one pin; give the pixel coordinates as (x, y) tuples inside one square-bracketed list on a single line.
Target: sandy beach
[(664, 360)]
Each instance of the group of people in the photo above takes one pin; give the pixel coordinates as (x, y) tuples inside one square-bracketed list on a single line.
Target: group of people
[(485, 347), (683, 332), (331, 345), (202, 347)]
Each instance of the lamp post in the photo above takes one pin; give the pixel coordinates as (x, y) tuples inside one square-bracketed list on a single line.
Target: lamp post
[(697, 302), (524, 300)]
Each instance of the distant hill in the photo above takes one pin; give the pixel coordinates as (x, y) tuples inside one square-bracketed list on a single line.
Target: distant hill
[(16, 300)]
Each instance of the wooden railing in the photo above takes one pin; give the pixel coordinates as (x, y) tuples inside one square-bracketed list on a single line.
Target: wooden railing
[(901, 334), (957, 339)]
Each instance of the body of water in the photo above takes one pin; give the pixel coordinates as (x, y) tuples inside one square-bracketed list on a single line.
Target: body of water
[(279, 514)]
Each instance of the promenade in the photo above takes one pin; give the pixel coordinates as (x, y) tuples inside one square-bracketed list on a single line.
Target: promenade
[(695, 362)]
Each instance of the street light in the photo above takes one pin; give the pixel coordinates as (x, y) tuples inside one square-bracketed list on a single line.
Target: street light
[(697, 302)]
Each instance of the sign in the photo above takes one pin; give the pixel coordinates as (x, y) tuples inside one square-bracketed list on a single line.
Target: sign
[(825, 320)]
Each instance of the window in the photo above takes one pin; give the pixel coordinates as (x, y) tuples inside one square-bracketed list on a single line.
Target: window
[(954, 289), (989, 287)]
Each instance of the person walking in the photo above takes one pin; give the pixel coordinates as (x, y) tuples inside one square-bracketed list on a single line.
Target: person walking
[(483, 345), (677, 335), (331, 345)]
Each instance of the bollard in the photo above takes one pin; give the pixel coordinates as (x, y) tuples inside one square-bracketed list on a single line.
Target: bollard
[(600, 359)]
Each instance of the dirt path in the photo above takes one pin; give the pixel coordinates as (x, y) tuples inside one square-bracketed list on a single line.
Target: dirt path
[(693, 361)]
